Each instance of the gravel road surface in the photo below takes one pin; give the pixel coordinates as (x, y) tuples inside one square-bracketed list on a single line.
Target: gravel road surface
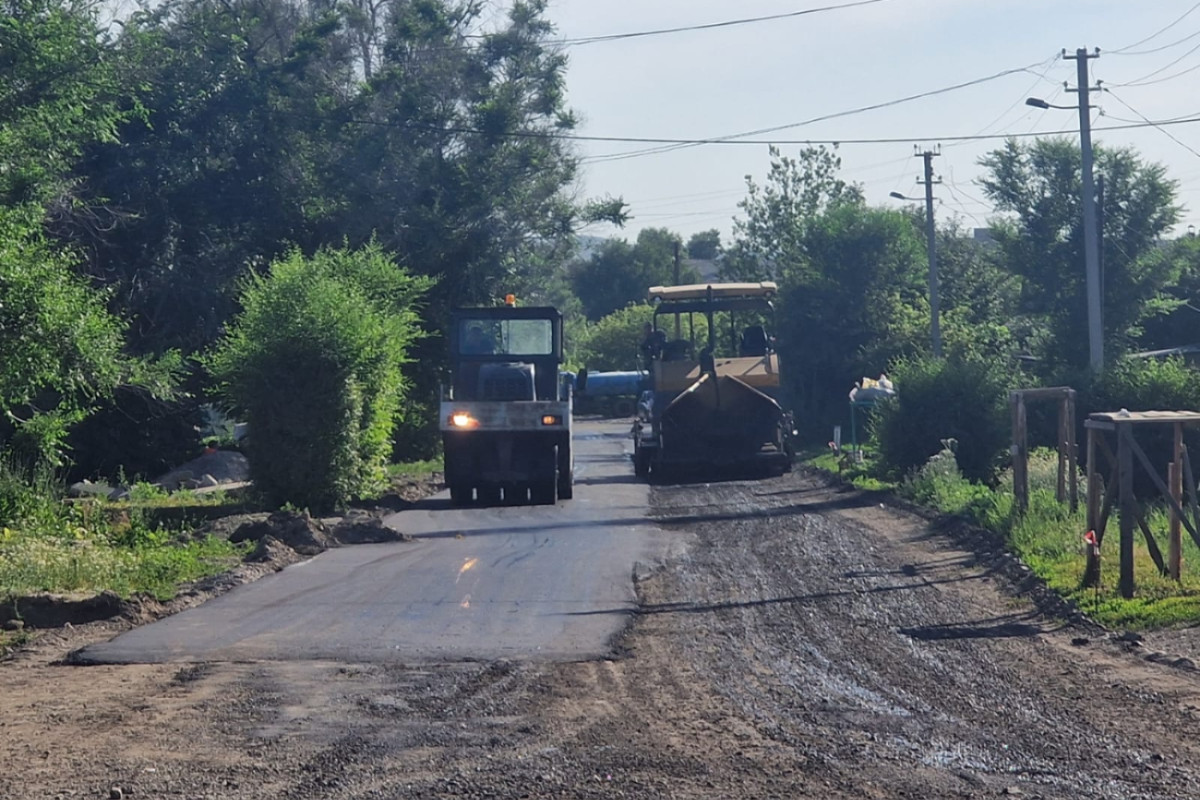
[(794, 640)]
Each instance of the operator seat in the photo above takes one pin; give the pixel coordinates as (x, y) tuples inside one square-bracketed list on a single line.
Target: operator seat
[(754, 341)]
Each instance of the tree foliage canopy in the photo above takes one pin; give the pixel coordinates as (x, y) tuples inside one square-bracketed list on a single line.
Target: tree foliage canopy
[(1038, 186), (620, 273)]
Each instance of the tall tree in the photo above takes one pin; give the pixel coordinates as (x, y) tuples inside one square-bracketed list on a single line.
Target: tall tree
[(1039, 185), (770, 238), (853, 294), (619, 273), (59, 93), (704, 245), (304, 122)]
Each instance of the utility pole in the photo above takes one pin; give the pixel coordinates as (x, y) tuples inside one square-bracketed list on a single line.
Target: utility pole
[(678, 334), (935, 329), (1091, 239)]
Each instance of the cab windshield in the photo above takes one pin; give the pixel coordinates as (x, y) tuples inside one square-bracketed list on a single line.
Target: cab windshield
[(517, 337)]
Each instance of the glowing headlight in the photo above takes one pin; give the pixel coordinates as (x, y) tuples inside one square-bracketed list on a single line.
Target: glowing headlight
[(551, 419), (461, 419)]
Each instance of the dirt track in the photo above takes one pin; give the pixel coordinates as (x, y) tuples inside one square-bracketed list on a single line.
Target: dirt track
[(800, 642)]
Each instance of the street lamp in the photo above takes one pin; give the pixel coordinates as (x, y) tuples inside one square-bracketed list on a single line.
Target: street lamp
[(935, 329), (1091, 239)]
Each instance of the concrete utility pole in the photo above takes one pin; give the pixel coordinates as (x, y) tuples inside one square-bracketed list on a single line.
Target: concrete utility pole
[(1091, 237), (935, 328), (676, 265)]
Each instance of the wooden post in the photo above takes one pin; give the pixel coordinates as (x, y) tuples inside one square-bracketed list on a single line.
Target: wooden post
[(1072, 450), (1175, 481), (1091, 573), (1060, 486), (1125, 479), (1020, 454)]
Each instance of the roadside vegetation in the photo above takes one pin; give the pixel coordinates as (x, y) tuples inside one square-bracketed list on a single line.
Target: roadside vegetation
[(87, 546), (273, 205), (968, 476)]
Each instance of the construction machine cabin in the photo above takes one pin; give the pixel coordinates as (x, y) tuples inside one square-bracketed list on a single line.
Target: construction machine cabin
[(506, 422), (714, 399)]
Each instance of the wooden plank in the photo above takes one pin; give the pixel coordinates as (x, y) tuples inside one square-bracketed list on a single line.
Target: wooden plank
[(1072, 450), (1020, 453), (1110, 499), (1158, 483), (1044, 392), (1060, 482), (1151, 545), (1193, 502), (1175, 480), (1092, 424), (1091, 570), (1125, 462), (1142, 417)]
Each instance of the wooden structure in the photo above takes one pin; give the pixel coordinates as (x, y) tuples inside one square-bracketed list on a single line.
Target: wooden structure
[(1068, 482), (1103, 494)]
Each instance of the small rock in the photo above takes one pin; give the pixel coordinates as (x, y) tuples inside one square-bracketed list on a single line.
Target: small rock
[(1013, 791), (115, 793), (14, 624), (1130, 636), (1080, 641), (1184, 663)]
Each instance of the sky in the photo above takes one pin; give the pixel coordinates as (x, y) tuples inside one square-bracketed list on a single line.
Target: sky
[(717, 82)]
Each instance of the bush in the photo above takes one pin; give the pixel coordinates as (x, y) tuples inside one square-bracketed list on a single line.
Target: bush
[(315, 363), (961, 399), (1145, 385), (612, 342)]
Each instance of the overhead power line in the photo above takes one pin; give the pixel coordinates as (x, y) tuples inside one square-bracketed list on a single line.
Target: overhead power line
[(1159, 126), (1125, 50), (813, 120), (1143, 81), (1160, 48), (759, 142), (613, 37)]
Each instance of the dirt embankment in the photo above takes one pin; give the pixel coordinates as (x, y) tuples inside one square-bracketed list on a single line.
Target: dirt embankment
[(801, 642)]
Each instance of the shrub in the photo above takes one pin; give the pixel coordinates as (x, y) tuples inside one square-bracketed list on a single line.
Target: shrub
[(960, 399), (315, 363), (1145, 385)]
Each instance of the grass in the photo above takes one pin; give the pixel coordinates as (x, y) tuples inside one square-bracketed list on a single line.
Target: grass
[(859, 473), (1049, 539), (49, 545), (416, 469)]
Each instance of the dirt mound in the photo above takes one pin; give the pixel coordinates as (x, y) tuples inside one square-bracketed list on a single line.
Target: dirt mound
[(364, 528), (299, 531), (55, 610)]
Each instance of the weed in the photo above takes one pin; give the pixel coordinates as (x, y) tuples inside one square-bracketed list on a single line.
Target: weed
[(1048, 537)]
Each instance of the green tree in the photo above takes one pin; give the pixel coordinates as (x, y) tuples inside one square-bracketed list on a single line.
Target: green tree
[(428, 124), (705, 245), (619, 273), (611, 343), (855, 303), (59, 93), (61, 351), (1038, 185), (770, 239), (315, 361), (1178, 308)]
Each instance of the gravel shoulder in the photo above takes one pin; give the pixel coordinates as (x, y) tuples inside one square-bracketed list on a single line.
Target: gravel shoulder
[(799, 641)]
